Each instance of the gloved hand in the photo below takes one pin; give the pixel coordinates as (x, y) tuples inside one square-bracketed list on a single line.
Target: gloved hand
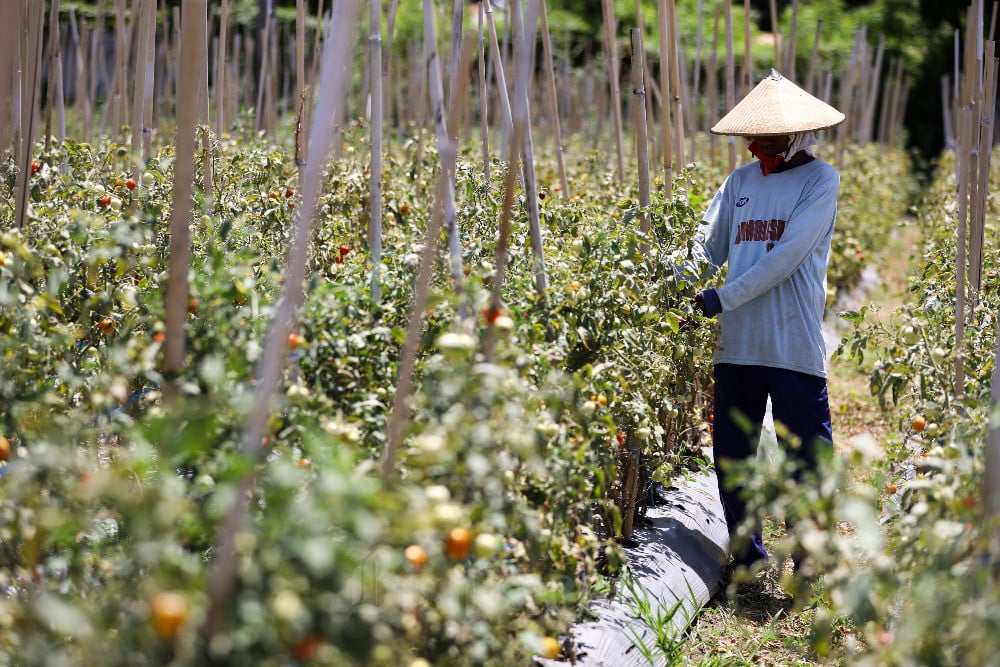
[(707, 303)]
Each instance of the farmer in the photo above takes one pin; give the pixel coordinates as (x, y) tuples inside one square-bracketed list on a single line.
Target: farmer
[(772, 221)]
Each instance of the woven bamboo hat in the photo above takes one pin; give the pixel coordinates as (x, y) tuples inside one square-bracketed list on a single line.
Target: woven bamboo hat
[(776, 107)]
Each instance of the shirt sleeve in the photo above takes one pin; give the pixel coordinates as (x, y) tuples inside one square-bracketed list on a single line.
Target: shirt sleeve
[(810, 221), (710, 247)]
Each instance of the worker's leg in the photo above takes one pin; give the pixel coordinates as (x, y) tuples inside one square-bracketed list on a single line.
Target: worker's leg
[(800, 402), (740, 402)]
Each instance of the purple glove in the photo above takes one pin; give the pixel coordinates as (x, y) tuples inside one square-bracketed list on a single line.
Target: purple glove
[(708, 303)]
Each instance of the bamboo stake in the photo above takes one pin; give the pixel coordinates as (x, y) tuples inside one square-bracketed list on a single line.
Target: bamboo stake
[(503, 239), (375, 176), (81, 102), (205, 122), (611, 49), (524, 28), (264, 75), (993, 21), (713, 89), (775, 32), (221, 66), (56, 100), (747, 51), (553, 104), (484, 103), (149, 73), (642, 148), (329, 109), (666, 131), (874, 83), (192, 55), (898, 104), (447, 153), (986, 105), (119, 114), (27, 90), (964, 159), (9, 62), (455, 52), (387, 63), (143, 7), (790, 51), (730, 81), (813, 59), (675, 85), (647, 99), (506, 112), (697, 85)]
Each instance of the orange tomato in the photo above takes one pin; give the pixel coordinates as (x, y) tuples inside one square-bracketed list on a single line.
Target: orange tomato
[(415, 556), (458, 544), (167, 613)]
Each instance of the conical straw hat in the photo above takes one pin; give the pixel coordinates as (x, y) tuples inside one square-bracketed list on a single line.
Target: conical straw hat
[(776, 107)]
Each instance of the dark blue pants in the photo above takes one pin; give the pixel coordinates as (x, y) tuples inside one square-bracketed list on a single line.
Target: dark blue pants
[(798, 400)]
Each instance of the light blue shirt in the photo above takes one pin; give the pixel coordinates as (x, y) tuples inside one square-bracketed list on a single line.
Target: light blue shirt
[(775, 232)]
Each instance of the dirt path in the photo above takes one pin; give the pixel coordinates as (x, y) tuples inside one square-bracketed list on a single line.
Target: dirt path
[(759, 625)]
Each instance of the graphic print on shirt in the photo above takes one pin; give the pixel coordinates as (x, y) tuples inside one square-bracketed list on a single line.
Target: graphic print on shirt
[(760, 230)]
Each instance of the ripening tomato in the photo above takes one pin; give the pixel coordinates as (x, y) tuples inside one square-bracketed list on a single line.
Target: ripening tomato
[(167, 613), (415, 556), (131, 184), (458, 544), (106, 325), (36, 167)]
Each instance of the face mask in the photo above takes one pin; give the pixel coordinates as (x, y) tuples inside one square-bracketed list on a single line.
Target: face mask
[(768, 163)]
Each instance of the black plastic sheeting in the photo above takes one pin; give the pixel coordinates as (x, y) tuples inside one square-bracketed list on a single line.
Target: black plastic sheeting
[(674, 570)]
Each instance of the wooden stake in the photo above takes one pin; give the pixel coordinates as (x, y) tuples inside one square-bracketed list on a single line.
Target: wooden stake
[(747, 51), (142, 83), (641, 142), (666, 130), (192, 57), (26, 103), (484, 102), (713, 90), (550, 80), (675, 85), (221, 71), (986, 106), (506, 112), (730, 81), (790, 53), (56, 99), (524, 29), (611, 49), (775, 32), (9, 62), (375, 176), (813, 59)]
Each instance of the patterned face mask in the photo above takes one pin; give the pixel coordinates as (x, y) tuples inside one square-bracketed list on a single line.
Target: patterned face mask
[(768, 163)]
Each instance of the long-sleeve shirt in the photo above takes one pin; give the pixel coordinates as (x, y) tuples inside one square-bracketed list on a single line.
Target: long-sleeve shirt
[(775, 232)]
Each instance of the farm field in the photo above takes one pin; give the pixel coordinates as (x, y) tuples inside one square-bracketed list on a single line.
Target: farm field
[(305, 442)]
